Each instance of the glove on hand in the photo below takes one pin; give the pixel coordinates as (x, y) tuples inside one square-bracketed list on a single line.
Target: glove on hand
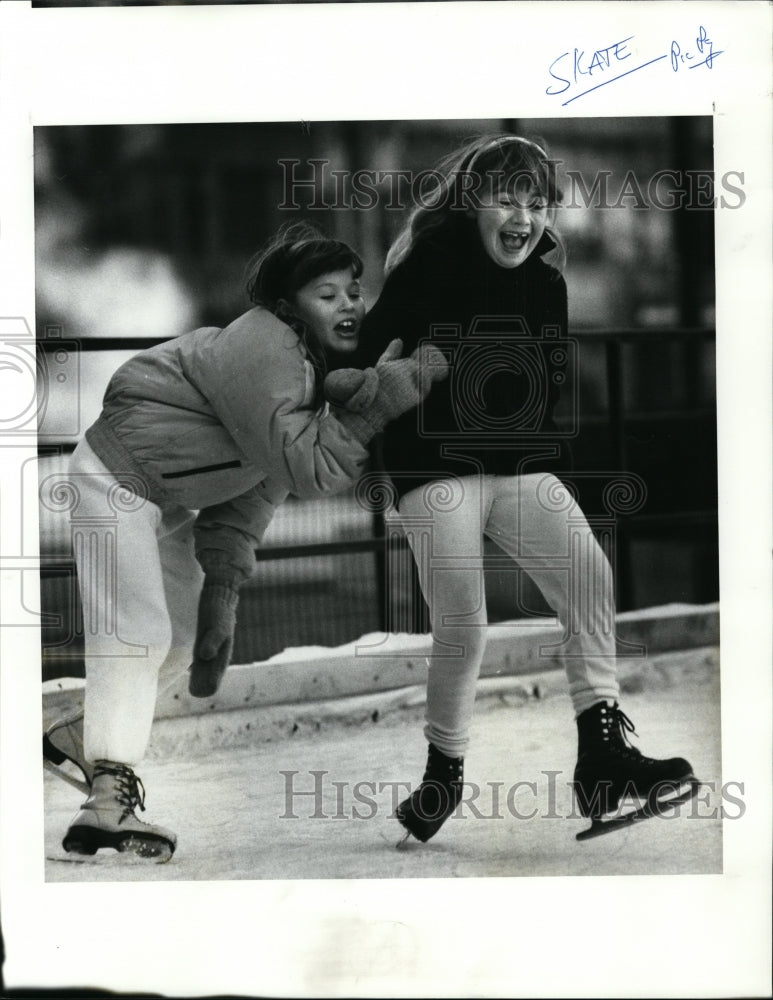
[(353, 388), (402, 384), (214, 633), (405, 382)]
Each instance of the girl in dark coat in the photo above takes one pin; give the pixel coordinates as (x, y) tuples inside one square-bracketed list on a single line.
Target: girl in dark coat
[(482, 456)]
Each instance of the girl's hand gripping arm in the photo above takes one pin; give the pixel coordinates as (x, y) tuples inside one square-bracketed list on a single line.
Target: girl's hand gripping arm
[(372, 398)]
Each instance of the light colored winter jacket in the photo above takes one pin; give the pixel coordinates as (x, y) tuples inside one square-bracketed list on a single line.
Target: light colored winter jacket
[(224, 422)]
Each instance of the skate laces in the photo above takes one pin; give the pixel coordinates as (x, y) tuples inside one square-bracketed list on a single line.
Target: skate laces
[(616, 726), (626, 726), (129, 788)]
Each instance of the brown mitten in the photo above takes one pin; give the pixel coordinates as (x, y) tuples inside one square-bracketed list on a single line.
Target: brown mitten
[(214, 638), (353, 388), (402, 384), (216, 622)]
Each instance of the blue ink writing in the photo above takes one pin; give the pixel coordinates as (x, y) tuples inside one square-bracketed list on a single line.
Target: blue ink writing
[(601, 63), (576, 69), (579, 66), (705, 48)]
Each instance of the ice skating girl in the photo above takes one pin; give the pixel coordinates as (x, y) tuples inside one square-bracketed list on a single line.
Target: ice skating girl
[(198, 440), (482, 456)]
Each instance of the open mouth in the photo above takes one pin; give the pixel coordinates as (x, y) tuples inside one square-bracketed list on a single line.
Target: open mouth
[(512, 242), (347, 328)]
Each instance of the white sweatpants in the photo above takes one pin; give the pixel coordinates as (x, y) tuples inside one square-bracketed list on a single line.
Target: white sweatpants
[(140, 583), (538, 524)]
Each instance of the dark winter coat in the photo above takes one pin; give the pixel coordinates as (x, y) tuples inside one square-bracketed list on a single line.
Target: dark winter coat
[(504, 333)]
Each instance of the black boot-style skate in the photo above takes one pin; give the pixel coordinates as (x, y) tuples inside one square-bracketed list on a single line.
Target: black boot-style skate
[(429, 806), (107, 819), (609, 770), (63, 743)]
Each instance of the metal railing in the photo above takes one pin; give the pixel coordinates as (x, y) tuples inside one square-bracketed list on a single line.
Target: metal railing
[(613, 424)]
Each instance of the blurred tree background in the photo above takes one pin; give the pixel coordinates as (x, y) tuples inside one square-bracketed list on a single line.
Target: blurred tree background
[(145, 231), (204, 197)]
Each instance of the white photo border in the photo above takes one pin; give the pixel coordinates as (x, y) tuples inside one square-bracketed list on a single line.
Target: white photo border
[(653, 936)]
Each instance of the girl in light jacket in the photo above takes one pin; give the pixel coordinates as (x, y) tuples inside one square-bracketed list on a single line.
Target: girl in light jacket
[(198, 441)]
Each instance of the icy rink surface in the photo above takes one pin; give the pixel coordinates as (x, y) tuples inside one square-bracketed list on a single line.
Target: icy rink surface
[(236, 816)]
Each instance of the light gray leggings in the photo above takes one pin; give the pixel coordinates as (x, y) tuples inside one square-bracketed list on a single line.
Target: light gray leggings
[(535, 520)]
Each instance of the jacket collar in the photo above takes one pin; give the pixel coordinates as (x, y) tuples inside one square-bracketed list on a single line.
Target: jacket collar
[(545, 245)]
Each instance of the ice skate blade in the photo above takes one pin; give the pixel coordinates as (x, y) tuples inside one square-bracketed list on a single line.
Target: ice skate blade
[(413, 829), (417, 826), (405, 841), (81, 784), (157, 850), (417, 832), (86, 841), (650, 809), (389, 839)]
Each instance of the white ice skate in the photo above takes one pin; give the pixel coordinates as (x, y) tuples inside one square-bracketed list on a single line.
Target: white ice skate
[(107, 818)]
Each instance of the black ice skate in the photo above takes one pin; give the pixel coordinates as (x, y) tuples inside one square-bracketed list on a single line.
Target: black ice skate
[(429, 806), (63, 743), (611, 773), (107, 819)]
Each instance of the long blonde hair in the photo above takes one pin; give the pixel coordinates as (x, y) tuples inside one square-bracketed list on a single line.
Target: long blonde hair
[(455, 179)]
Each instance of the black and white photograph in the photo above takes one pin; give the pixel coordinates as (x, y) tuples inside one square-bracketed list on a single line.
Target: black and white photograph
[(233, 513), (376, 517)]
